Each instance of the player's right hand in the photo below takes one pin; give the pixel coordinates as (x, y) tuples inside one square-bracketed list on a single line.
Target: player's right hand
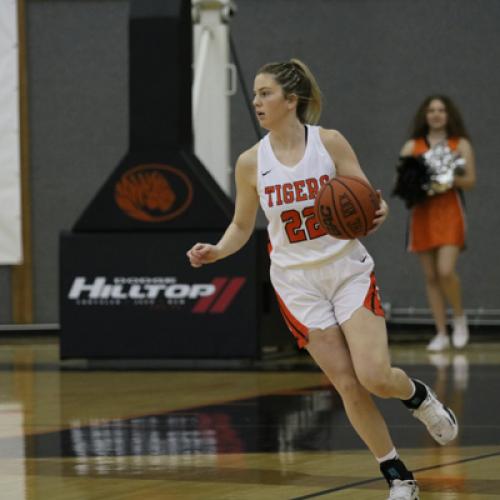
[(202, 253), (381, 214)]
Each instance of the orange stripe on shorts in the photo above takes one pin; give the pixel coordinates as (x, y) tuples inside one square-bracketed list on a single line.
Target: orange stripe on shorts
[(299, 331), (372, 299)]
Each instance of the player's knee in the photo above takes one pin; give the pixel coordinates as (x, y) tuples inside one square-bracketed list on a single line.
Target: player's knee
[(378, 384), (347, 386)]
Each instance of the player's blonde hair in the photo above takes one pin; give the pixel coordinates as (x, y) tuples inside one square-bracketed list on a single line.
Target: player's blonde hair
[(295, 77)]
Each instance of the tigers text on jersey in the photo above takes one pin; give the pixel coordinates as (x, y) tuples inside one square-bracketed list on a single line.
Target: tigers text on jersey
[(287, 197)]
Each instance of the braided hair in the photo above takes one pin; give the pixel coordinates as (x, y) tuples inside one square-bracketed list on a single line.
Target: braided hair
[(295, 78)]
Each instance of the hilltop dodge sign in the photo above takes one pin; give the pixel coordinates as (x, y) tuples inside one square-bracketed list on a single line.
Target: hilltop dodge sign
[(144, 291), (136, 295)]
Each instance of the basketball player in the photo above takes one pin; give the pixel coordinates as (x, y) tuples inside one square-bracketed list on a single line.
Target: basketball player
[(437, 224), (325, 287)]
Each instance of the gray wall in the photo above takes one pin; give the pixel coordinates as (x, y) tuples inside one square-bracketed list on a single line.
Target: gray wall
[(375, 60)]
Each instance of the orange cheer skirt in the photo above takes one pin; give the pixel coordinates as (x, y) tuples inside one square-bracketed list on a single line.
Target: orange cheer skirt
[(439, 220)]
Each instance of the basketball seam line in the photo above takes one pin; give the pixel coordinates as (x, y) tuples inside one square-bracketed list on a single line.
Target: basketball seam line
[(359, 204), (335, 210)]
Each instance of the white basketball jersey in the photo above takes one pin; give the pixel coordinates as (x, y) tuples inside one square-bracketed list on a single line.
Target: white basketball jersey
[(287, 197)]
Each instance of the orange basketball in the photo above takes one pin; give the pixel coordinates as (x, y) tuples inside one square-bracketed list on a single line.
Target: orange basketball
[(345, 207)]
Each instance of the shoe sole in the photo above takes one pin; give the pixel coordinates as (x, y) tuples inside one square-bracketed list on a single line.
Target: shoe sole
[(415, 498)]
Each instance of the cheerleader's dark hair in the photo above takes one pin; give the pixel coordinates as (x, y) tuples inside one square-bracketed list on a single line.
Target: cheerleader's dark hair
[(454, 125)]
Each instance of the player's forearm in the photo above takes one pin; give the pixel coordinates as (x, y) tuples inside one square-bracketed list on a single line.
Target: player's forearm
[(233, 239)]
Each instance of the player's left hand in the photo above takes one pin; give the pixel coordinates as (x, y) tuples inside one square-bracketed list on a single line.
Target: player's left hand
[(381, 214)]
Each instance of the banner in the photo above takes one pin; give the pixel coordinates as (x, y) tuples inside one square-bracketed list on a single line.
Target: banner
[(134, 295), (10, 189)]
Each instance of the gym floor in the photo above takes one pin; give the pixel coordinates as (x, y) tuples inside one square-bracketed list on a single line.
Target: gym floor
[(274, 430)]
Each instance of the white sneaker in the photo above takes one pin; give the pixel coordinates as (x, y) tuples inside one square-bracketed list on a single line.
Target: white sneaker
[(439, 419), (403, 490), (439, 342), (460, 335)]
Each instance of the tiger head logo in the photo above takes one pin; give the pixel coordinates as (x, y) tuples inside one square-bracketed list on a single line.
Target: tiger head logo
[(153, 192)]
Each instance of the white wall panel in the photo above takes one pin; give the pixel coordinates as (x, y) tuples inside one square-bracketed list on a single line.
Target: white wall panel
[(10, 189)]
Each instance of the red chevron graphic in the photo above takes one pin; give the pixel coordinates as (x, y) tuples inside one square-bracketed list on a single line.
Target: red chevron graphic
[(223, 296)]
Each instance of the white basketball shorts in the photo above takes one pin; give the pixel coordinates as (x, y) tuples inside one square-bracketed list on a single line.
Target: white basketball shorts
[(317, 297)]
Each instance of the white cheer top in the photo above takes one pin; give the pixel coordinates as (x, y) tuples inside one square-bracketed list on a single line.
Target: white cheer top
[(287, 197)]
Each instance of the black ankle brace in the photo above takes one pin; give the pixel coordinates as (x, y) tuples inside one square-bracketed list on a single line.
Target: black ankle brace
[(395, 469), (420, 394)]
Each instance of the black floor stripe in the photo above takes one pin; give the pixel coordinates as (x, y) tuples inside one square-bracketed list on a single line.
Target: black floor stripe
[(374, 480)]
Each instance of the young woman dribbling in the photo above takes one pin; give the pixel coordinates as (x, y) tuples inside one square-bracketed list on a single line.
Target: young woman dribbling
[(325, 287)]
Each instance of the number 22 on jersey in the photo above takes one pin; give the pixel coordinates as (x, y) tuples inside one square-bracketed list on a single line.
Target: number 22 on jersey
[(301, 226)]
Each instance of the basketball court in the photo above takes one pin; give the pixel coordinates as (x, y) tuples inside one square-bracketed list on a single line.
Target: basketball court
[(272, 430), (155, 380)]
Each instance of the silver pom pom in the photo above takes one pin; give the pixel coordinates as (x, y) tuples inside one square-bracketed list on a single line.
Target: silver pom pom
[(443, 165)]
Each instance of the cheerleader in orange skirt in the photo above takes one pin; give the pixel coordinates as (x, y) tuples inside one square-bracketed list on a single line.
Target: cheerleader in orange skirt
[(437, 224)]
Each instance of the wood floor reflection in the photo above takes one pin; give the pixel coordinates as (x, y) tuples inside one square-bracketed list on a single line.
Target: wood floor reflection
[(276, 431)]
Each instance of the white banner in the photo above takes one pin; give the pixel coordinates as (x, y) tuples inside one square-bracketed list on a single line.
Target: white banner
[(10, 180)]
